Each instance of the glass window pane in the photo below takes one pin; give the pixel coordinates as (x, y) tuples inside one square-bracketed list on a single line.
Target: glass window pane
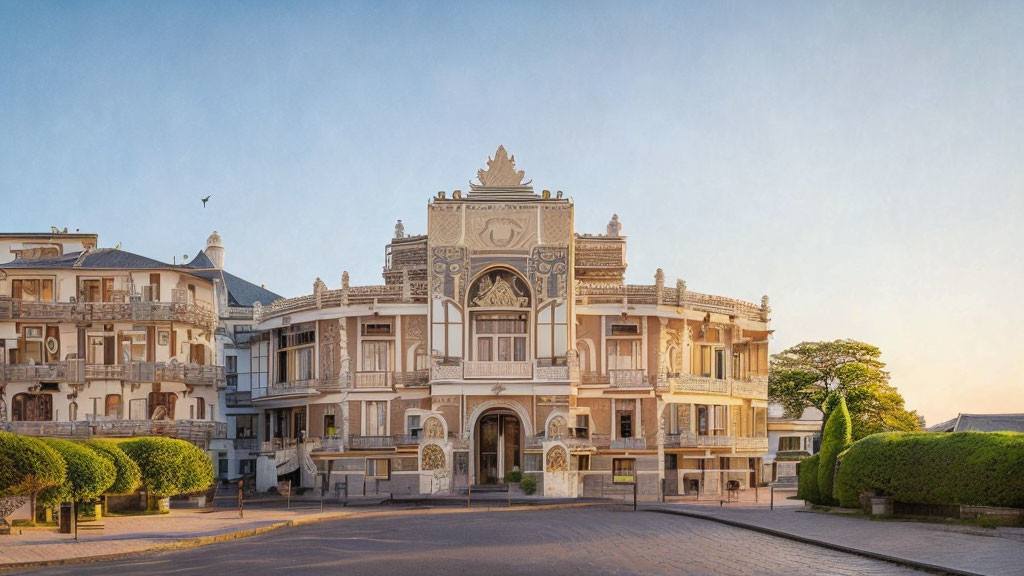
[(520, 351), (504, 349)]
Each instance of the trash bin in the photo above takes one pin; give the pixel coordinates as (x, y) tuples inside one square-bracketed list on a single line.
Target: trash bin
[(66, 517)]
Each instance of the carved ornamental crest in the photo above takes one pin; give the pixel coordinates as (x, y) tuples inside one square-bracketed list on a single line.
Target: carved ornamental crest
[(501, 172), (499, 293)]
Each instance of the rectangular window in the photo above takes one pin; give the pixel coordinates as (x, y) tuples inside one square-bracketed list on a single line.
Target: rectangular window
[(624, 329), (378, 468), (245, 425), (582, 429), (377, 329), (583, 462), (376, 418), (623, 470), (671, 462), (231, 364), (413, 426), (789, 443), (375, 356), (720, 363)]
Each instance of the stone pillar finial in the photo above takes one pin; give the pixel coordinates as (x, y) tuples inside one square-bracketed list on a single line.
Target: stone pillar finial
[(614, 226)]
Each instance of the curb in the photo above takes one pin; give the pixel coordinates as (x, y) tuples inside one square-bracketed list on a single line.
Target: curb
[(195, 542), (828, 545)]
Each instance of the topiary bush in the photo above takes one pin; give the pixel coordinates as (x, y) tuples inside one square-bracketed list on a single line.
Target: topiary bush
[(169, 466), (515, 475), (836, 437), (528, 484), (971, 468), (807, 479), (88, 473), (28, 466), (129, 477)]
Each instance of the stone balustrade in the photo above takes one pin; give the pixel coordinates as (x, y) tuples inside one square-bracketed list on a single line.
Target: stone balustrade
[(78, 372), (373, 379), (197, 314), (472, 369)]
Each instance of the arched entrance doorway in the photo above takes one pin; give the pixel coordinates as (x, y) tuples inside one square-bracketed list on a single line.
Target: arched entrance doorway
[(499, 445)]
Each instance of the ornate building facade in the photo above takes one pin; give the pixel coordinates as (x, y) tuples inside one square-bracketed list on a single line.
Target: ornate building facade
[(503, 340)]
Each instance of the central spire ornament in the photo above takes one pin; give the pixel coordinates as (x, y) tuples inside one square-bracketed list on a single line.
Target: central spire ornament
[(501, 172)]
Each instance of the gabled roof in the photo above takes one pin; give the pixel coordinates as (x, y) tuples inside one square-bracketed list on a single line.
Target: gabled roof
[(99, 258), (241, 292), (982, 423)]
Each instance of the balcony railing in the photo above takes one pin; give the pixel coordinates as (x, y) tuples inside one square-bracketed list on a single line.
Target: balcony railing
[(754, 387), (628, 379), (414, 378), (691, 440), (194, 313), (198, 432), (243, 444), (291, 387), (77, 372), (545, 371), (473, 369), (376, 379), (629, 444), (690, 383), (751, 443), (382, 442)]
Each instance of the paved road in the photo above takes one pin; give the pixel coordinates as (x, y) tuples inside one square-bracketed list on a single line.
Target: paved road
[(575, 541)]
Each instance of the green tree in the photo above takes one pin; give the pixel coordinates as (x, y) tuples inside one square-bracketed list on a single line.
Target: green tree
[(807, 479), (818, 374), (88, 473), (129, 477), (834, 439), (28, 466), (169, 466)]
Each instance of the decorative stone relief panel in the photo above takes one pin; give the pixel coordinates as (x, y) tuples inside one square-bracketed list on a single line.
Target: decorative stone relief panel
[(492, 226), (433, 428), (449, 272), (555, 225), (433, 457), (557, 427), (557, 460), (330, 351), (445, 224), (548, 271)]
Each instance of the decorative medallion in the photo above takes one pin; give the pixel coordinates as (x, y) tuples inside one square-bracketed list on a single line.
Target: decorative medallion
[(557, 427), (557, 460), (433, 428), (433, 457)]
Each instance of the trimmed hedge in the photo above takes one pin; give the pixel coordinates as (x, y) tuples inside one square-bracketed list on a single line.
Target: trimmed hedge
[(528, 485), (835, 438), (28, 466), (170, 466), (88, 473), (972, 468), (129, 477), (807, 479)]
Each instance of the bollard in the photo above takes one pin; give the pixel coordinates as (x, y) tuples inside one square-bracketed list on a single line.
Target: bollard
[(469, 496), (773, 499), (634, 496), (241, 494)]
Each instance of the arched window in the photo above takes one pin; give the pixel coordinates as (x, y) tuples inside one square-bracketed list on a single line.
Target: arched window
[(499, 330), (32, 408)]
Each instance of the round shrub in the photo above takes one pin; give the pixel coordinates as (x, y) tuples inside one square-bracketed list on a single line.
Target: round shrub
[(528, 485), (968, 468), (515, 475), (835, 438), (169, 467), (129, 477), (88, 473), (807, 479), (28, 466)]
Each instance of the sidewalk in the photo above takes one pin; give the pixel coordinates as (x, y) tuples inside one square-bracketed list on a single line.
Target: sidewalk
[(124, 536), (953, 549)]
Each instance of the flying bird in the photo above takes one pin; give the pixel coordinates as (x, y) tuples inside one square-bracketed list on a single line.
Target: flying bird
[(204, 200)]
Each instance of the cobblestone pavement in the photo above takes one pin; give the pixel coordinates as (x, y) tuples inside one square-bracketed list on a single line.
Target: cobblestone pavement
[(569, 541), (995, 552)]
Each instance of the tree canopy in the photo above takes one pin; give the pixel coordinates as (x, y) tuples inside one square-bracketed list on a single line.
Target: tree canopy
[(88, 473), (28, 466), (818, 374), (169, 466), (129, 477)]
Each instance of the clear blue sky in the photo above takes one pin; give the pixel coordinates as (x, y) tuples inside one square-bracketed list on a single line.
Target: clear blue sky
[(859, 162)]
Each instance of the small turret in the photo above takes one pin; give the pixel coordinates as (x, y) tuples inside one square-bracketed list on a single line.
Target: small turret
[(215, 250)]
